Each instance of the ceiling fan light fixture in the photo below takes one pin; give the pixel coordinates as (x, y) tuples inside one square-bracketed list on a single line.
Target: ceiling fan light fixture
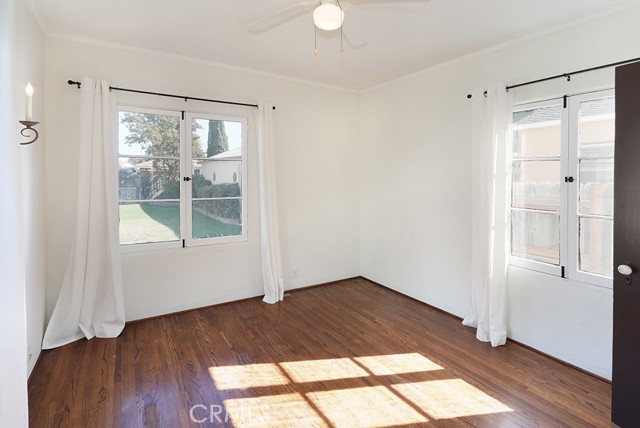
[(328, 15)]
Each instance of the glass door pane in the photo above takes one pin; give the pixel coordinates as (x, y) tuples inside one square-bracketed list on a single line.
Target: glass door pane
[(536, 236), (217, 178), (596, 186), (536, 185), (149, 176), (537, 132), (597, 128), (596, 246), (596, 148)]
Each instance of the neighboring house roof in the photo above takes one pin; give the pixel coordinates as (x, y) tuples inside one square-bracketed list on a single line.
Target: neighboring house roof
[(233, 154), (148, 165), (553, 113)]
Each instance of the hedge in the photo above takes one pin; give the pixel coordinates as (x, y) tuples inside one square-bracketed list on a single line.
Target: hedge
[(229, 209)]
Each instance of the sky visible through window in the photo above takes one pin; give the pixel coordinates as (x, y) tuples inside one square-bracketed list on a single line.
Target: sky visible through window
[(233, 129)]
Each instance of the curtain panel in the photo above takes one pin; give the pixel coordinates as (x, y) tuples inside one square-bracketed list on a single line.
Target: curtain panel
[(269, 231), (490, 171), (91, 301)]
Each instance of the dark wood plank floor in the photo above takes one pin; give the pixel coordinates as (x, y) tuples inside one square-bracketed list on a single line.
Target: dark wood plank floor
[(343, 355)]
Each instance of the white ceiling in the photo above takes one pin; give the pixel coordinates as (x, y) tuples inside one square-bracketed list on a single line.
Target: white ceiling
[(396, 38)]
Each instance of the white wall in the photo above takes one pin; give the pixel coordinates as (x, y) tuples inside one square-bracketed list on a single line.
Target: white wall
[(415, 219), (318, 178), (21, 223), (30, 44)]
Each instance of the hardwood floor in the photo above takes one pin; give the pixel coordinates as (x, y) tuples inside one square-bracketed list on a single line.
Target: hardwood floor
[(343, 355)]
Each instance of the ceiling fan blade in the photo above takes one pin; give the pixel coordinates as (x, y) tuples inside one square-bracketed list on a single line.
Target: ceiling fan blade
[(280, 17), (354, 46), (360, 2)]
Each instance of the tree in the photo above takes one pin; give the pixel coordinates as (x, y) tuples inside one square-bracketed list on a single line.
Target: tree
[(217, 140), (159, 135)]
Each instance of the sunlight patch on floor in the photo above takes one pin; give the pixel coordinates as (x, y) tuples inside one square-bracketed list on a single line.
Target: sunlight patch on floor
[(373, 407), (321, 370), (273, 411), (248, 376), (379, 405), (450, 398), (383, 365)]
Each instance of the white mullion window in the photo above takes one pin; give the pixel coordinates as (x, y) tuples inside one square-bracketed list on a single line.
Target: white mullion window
[(185, 174), (562, 187), (149, 178), (537, 214), (592, 146), (165, 199), (216, 195)]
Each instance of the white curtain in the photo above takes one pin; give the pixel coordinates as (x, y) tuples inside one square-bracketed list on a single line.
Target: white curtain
[(270, 237), (91, 300), (13, 324), (491, 118)]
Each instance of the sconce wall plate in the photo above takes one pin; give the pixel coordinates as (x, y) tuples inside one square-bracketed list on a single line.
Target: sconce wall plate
[(29, 126)]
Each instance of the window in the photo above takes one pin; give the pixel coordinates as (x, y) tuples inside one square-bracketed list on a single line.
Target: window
[(168, 162), (562, 187)]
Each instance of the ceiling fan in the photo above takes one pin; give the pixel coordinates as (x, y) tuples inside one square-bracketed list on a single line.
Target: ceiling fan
[(328, 15)]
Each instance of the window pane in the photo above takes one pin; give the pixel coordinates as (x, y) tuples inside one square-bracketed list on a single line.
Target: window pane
[(145, 134), (596, 186), (220, 145), (536, 132), (536, 185), (217, 218), (148, 178), (597, 127), (596, 246), (203, 188), (536, 236), (149, 222)]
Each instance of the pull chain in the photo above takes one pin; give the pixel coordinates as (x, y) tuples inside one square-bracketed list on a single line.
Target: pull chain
[(315, 41)]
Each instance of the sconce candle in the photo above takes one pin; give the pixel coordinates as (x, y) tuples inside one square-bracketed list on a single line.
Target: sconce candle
[(29, 91), (28, 122)]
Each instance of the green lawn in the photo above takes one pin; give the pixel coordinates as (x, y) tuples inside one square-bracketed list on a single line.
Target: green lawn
[(160, 221)]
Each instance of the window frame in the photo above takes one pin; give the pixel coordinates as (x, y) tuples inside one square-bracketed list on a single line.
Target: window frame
[(186, 240), (568, 267), (536, 265), (189, 239), (573, 261)]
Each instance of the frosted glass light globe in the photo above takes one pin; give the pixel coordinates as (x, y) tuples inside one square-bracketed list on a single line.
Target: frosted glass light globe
[(328, 16)]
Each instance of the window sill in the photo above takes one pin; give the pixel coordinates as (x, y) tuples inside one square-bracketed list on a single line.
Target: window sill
[(583, 278), (177, 245)]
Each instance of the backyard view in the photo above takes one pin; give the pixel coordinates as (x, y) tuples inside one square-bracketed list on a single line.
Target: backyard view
[(150, 178), (160, 222)]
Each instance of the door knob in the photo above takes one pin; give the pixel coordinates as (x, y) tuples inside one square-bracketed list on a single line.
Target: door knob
[(625, 270)]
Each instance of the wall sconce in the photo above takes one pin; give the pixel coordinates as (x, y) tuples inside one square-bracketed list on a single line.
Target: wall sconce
[(28, 122)]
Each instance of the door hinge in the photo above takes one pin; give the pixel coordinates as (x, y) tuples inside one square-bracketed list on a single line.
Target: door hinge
[(564, 101), (568, 179), (184, 244), (182, 114), (561, 271)]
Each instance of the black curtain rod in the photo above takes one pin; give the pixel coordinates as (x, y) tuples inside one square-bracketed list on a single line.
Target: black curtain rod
[(568, 75), (160, 94)]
